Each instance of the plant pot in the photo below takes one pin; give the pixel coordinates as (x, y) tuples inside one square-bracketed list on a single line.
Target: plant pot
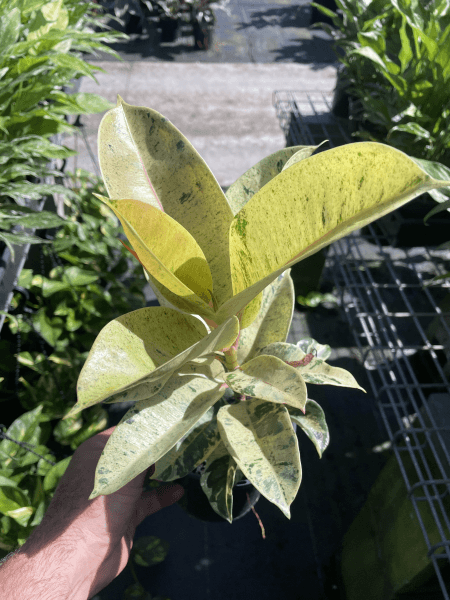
[(168, 29), (196, 504), (203, 35)]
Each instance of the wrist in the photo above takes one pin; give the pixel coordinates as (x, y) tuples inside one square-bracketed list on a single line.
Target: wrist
[(44, 572)]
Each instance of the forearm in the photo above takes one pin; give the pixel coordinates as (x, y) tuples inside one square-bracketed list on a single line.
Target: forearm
[(44, 572)]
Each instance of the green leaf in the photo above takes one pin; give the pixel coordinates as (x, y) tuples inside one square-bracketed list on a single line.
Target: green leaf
[(240, 192), (312, 204), (150, 550), (68, 61), (311, 368), (37, 220), (150, 429), (10, 26), (313, 424), (190, 450), (35, 191), (133, 356), (269, 378), (217, 481), (49, 329), (260, 438), (144, 156), (53, 477)]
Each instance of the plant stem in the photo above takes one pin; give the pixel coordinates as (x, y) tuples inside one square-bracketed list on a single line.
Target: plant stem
[(257, 516), (133, 572)]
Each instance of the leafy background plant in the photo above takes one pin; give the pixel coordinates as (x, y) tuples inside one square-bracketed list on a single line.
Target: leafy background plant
[(40, 54), (396, 70)]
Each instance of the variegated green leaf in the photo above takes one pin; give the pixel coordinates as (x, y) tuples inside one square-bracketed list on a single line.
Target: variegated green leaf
[(217, 481), (150, 429), (312, 369), (191, 450), (308, 346), (271, 379), (273, 321), (240, 192), (143, 156), (165, 249), (313, 424), (310, 205), (142, 348), (303, 153), (260, 438)]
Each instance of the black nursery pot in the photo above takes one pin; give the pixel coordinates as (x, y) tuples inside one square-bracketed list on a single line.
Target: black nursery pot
[(168, 29), (196, 504), (203, 35)]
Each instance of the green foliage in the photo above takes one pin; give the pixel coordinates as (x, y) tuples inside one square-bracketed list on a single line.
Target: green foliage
[(40, 53), (57, 316), (396, 55)]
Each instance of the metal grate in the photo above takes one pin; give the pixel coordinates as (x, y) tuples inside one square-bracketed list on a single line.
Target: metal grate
[(400, 324)]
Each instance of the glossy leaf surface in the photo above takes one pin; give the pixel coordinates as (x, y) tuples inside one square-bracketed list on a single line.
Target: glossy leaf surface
[(190, 450), (137, 350), (260, 438), (313, 203), (150, 429), (315, 370), (313, 424), (246, 186), (143, 156), (166, 250), (271, 379), (273, 321), (217, 481)]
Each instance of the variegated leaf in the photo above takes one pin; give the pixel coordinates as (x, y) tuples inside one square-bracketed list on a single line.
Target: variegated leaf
[(260, 438), (313, 424), (143, 347), (150, 429), (308, 346), (269, 378), (190, 450), (303, 153), (273, 321), (217, 481), (312, 369), (246, 186)]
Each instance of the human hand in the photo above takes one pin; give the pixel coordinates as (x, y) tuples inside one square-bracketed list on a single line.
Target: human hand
[(103, 527)]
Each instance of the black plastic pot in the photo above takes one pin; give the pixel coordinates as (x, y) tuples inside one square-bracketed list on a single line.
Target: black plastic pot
[(169, 29), (196, 504), (203, 35)]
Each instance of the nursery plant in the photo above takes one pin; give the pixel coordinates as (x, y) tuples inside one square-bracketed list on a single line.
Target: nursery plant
[(219, 265), (40, 44)]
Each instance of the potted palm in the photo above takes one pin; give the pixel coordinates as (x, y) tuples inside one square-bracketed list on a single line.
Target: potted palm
[(219, 266)]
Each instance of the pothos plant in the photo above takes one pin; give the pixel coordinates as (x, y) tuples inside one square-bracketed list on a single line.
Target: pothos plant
[(219, 266)]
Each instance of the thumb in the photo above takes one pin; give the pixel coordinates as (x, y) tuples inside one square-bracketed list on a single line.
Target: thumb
[(161, 497)]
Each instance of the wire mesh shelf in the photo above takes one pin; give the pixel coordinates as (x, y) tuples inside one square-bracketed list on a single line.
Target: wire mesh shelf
[(401, 324)]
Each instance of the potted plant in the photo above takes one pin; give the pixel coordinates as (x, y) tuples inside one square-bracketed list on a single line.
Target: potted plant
[(203, 20), (169, 15), (217, 264)]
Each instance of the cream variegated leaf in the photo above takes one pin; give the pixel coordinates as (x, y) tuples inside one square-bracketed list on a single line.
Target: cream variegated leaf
[(246, 186), (135, 352), (269, 378), (150, 429), (310, 205), (191, 450), (218, 479), (260, 438), (311, 368), (273, 321), (313, 424)]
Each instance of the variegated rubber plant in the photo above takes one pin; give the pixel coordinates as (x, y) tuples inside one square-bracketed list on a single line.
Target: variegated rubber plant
[(219, 265)]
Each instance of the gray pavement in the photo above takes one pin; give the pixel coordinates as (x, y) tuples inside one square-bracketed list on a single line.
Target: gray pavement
[(220, 99)]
